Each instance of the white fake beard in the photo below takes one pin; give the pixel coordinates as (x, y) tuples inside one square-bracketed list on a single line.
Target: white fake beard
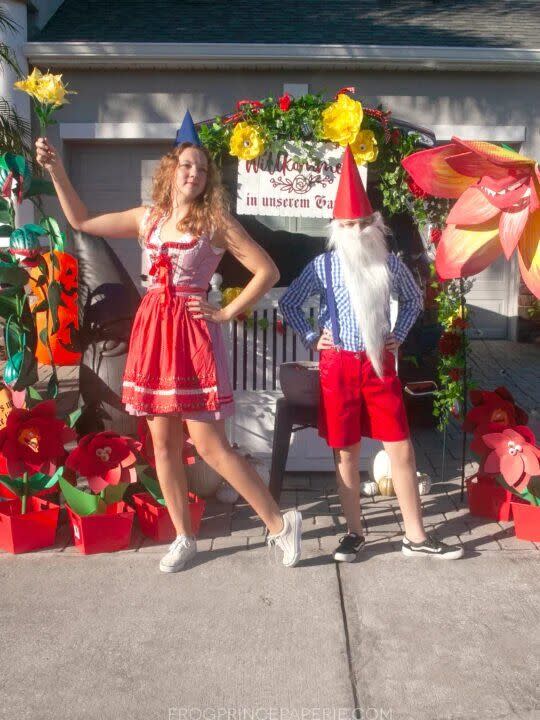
[(363, 254)]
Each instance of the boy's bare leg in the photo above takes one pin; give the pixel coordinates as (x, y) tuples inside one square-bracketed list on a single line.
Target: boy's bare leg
[(348, 482), (403, 466)]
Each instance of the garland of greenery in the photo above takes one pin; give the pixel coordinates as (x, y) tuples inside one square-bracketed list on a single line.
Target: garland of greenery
[(310, 119)]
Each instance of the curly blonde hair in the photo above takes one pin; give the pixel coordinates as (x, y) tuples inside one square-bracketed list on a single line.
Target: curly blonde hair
[(207, 210)]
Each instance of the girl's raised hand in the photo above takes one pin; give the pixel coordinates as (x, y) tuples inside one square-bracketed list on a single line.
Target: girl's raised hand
[(46, 155)]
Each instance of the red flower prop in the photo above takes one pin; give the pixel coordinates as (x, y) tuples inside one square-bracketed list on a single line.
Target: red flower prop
[(497, 209), (435, 234), (104, 458), (415, 189), (497, 407), (280, 328), (147, 448), (285, 102), (449, 343), (514, 455), (33, 440), (455, 374), (459, 324)]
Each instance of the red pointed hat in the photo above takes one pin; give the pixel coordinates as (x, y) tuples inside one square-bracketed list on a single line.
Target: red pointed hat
[(351, 201)]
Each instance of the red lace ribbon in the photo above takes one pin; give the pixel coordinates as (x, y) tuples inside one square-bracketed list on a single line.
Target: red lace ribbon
[(162, 268)]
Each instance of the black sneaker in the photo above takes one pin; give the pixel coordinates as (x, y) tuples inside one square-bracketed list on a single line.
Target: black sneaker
[(431, 546), (349, 547)]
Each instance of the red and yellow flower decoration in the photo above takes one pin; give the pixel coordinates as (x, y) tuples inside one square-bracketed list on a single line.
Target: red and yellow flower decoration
[(246, 142), (33, 440), (514, 455), (104, 458), (497, 209)]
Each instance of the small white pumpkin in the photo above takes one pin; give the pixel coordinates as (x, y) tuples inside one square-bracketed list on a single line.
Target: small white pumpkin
[(386, 486), (369, 488), (424, 483), (202, 480), (381, 467)]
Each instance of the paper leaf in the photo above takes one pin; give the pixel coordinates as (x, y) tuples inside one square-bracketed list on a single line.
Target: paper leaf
[(152, 485), (114, 493), (72, 418), (80, 502)]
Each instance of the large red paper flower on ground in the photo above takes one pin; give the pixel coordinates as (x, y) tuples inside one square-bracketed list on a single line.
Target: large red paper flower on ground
[(514, 455), (497, 208), (492, 407), (104, 458), (33, 440)]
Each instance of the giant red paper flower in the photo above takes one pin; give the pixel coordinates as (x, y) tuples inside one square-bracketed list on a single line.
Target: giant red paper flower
[(449, 343), (493, 407), (514, 455), (497, 209), (33, 440), (104, 458)]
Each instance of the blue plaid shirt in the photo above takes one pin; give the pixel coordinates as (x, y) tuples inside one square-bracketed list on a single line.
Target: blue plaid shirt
[(312, 281)]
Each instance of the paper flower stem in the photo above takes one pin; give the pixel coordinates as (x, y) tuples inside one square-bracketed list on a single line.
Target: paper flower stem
[(24, 493)]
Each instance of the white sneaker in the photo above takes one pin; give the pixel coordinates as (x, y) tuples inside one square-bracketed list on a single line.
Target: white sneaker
[(290, 538), (182, 550)]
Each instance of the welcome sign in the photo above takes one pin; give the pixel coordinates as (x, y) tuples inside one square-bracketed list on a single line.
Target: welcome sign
[(280, 182)]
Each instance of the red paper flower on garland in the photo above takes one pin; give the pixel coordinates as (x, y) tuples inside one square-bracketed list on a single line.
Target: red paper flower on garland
[(497, 407), (435, 235), (455, 374), (33, 440), (415, 189), (104, 458), (147, 448), (459, 324), (285, 102), (280, 328), (395, 136), (449, 343), (514, 455)]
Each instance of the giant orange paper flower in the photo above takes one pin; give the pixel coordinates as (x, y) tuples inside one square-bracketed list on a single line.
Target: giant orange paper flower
[(497, 209)]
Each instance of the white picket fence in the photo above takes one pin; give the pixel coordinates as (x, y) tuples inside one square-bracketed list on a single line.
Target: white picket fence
[(256, 349)]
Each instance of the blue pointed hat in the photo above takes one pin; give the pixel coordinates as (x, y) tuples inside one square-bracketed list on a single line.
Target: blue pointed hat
[(187, 132)]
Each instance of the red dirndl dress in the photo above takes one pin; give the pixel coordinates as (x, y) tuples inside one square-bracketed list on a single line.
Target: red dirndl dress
[(176, 364)]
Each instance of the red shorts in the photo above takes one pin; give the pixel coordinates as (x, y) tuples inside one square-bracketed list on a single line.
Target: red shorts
[(356, 403)]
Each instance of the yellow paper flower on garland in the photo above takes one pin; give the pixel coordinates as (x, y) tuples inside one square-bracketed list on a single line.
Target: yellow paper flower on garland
[(342, 120), (246, 142), (364, 148)]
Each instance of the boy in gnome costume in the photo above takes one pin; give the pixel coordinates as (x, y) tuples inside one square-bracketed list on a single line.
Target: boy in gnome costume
[(360, 393)]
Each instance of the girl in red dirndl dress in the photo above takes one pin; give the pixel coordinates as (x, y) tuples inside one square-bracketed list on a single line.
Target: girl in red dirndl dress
[(176, 363), (176, 368)]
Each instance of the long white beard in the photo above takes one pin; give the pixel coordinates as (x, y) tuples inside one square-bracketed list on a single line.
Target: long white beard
[(363, 255)]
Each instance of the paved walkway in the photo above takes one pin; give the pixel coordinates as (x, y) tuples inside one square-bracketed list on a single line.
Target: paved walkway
[(238, 636)]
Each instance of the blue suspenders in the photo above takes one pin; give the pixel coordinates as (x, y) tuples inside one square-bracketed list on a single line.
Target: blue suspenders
[(331, 300)]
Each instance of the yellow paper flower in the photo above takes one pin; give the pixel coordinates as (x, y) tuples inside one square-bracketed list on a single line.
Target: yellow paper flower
[(31, 83), (51, 90), (364, 148), (230, 294), (246, 143), (342, 120)]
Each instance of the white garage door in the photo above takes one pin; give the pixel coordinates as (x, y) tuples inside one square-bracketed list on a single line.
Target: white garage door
[(112, 177)]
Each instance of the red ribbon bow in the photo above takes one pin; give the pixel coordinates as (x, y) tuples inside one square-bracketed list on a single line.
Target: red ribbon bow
[(162, 267)]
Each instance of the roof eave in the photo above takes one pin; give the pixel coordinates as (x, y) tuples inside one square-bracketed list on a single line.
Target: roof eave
[(111, 55)]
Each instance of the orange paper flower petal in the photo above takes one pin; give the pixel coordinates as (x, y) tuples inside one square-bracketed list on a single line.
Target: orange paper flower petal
[(529, 254), (494, 153), (462, 252), (472, 208), (511, 226), (431, 172)]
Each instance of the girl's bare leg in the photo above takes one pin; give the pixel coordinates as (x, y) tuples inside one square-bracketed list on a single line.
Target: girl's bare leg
[(348, 482), (214, 448), (167, 439), (403, 466)]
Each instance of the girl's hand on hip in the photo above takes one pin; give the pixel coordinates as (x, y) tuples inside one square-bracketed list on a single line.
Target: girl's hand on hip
[(325, 341), (392, 343), (202, 310)]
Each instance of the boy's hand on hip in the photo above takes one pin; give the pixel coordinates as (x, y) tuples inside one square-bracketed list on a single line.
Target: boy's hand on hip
[(392, 343), (325, 341)]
